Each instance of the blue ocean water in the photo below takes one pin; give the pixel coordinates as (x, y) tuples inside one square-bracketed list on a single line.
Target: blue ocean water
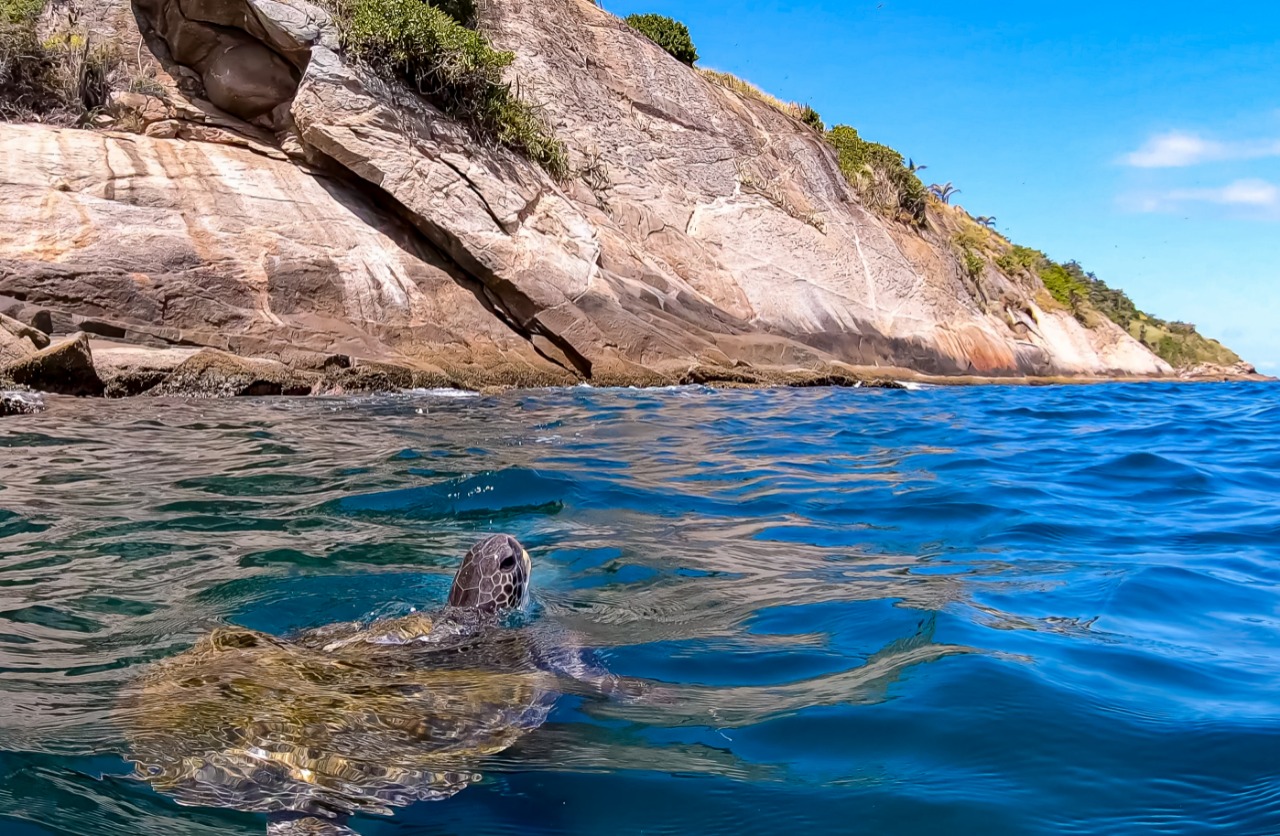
[(992, 610)]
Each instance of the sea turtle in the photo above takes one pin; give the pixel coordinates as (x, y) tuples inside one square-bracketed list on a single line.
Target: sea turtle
[(351, 717)]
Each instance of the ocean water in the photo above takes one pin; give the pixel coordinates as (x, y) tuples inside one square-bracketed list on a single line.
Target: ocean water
[(949, 611)]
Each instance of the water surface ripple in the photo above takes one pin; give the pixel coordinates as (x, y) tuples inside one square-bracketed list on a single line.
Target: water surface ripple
[(990, 610)]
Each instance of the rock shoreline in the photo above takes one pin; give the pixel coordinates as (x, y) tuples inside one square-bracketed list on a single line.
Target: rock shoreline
[(80, 366), (77, 365)]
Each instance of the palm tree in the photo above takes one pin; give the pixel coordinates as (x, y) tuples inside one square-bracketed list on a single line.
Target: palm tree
[(944, 192), (989, 221), (913, 168)]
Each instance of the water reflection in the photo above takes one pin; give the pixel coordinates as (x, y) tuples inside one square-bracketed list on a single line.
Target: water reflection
[(922, 611)]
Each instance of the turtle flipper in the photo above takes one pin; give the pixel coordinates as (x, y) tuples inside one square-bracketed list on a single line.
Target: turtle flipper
[(300, 824), (563, 653)]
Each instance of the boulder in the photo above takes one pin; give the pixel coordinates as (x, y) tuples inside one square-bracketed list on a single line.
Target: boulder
[(35, 317), (65, 368), (366, 376), (14, 348), (35, 336), (132, 369), (210, 373), (249, 80), (146, 108), (18, 341)]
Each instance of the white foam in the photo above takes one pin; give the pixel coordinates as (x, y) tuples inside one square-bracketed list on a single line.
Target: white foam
[(442, 393)]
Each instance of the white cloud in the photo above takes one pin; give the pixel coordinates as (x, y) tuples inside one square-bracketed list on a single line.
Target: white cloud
[(1179, 149), (1258, 193), (1251, 198), (1174, 150)]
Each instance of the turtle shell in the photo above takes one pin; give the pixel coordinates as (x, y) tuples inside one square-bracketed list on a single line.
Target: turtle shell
[(338, 722)]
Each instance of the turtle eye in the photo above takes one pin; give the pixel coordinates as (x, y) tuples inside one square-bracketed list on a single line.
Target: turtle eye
[(508, 563)]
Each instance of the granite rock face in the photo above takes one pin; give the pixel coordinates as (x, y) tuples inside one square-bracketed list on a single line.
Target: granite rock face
[(164, 242), (735, 205), (289, 206)]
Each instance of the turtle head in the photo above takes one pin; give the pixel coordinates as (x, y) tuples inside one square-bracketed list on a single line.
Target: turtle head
[(493, 577)]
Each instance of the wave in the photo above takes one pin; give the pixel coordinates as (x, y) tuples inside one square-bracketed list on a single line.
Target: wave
[(986, 609)]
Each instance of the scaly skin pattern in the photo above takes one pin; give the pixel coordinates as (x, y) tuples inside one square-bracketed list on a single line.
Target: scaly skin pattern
[(246, 721), (345, 718)]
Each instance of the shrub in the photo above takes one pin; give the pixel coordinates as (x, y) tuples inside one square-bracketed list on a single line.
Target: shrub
[(1021, 260), (1116, 304), (729, 81), (973, 263), (671, 35), (1177, 345), (26, 73), (463, 11), (452, 66), (810, 117), (880, 175), (20, 12), (61, 80), (970, 236), (1063, 286)]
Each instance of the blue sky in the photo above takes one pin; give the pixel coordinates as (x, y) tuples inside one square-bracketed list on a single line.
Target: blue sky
[(1140, 139)]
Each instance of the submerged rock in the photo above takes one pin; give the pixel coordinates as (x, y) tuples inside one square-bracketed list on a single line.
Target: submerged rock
[(20, 403), (65, 368)]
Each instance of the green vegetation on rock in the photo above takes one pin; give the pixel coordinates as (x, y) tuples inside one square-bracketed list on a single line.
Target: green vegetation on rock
[(1177, 343), (880, 176), (26, 84), (20, 12), (1063, 286), (744, 88), (671, 35), (431, 49), (59, 79), (1020, 260), (812, 118)]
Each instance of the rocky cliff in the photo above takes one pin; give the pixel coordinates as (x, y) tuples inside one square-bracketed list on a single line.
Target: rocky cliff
[(271, 198)]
